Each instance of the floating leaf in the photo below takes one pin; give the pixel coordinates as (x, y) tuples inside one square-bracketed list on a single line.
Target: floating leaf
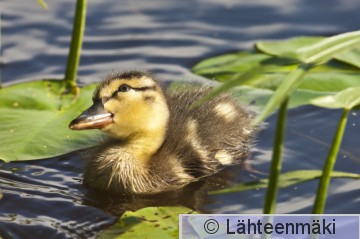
[(236, 79), (150, 222), (351, 57), (286, 88), (346, 99), (264, 74), (230, 63), (330, 81), (271, 68), (302, 97), (286, 48), (322, 51), (328, 48), (286, 180), (316, 49), (34, 118), (259, 97)]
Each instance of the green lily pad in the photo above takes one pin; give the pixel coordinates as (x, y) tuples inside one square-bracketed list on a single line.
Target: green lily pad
[(331, 81), (150, 222), (259, 97), (283, 73), (286, 48), (268, 73), (316, 53), (346, 99), (34, 119), (328, 48), (286, 180), (316, 49), (230, 63), (351, 57)]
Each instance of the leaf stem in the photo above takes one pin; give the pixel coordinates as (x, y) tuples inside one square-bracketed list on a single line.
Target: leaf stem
[(276, 162), (321, 194), (285, 89), (1, 62), (43, 4), (75, 47)]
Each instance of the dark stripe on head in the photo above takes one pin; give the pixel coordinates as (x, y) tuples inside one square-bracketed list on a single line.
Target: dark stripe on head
[(126, 75), (145, 88)]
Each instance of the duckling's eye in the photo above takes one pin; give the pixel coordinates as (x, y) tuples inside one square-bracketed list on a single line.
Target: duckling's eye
[(124, 88)]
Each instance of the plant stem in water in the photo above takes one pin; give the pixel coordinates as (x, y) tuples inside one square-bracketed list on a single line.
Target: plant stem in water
[(288, 85), (321, 194), (75, 47), (0, 50), (276, 162)]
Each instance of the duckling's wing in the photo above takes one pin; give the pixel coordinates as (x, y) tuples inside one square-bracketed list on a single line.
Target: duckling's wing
[(204, 139)]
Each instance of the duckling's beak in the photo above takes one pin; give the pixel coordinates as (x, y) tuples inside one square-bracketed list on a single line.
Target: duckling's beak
[(96, 117)]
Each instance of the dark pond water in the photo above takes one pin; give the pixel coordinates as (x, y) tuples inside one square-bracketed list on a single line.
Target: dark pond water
[(45, 198)]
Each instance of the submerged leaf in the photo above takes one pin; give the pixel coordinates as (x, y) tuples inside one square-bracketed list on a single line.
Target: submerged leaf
[(346, 99), (150, 222), (34, 119), (286, 180)]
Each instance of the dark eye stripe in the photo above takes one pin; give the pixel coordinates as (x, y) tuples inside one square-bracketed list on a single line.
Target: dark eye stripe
[(145, 88)]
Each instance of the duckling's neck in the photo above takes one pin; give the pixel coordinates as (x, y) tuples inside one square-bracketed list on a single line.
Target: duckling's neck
[(142, 146)]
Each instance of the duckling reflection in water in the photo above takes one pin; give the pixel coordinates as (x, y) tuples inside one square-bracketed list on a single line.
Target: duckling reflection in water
[(157, 141)]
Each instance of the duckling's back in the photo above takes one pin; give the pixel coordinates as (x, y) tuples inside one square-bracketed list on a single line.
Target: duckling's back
[(202, 140)]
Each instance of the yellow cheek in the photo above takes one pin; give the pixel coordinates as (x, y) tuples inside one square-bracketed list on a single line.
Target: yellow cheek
[(133, 116), (125, 112)]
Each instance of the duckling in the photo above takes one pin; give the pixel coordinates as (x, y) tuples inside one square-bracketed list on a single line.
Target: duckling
[(157, 141)]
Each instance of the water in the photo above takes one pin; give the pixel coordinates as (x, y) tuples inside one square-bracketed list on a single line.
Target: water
[(46, 199)]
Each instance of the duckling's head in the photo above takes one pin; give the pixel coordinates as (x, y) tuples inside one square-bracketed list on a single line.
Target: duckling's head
[(125, 105)]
